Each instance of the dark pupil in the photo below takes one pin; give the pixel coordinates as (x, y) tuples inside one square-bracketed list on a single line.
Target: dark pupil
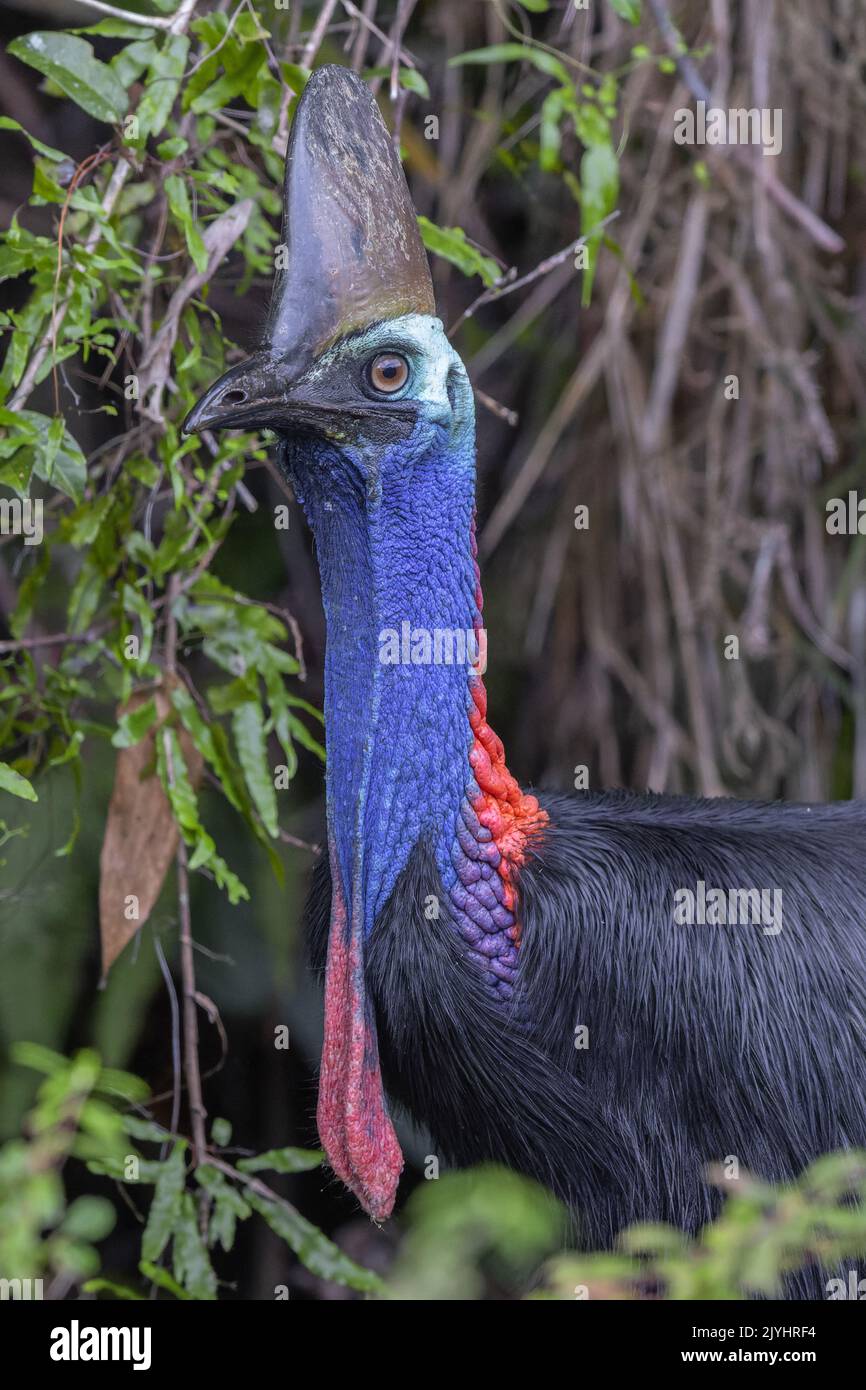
[(389, 369)]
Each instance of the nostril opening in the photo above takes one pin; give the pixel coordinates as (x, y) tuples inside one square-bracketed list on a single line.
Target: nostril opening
[(234, 397)]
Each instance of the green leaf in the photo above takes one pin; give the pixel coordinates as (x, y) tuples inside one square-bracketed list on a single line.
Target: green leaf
[(118, 1291), (56, 457), (89, 1218), (134, 724), (178, 199), (304, 737), (70, 63), (184, 806), (12, 781), (535, 6), (296, 76), (192, 1266), (211, 742), (320, 1255), (409, 78), (627, 9), (172, 148), (59, 460), (7, 123), (37, 1057), (164, 76), (163, 1279), (116, 29), (122, 1083), (230, 85), (550, 136), (248, 727), (221, 1132), (412, 80), (86, 522), (229, 1206), (283, 1161), (136, 605), (28, 592), (14, 260), (148, 1170), (131, 61), (144, 469), (165, 1209), (515, 53), (450, 243), (599, 186), (138, 1128)]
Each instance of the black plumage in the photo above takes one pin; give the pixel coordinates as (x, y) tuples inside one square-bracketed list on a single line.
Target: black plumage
[(704, 1041)]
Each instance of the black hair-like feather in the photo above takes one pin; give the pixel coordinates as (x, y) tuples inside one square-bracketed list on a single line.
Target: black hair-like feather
[(704, 1042)]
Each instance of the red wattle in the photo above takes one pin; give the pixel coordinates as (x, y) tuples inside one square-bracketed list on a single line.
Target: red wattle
[(353, 1120), (511, 815)]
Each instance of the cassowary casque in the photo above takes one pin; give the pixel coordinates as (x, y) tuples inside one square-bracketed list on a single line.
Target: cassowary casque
[(609, 991)]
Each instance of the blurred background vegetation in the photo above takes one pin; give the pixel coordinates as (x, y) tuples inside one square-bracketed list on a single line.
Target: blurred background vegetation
[(522, 125)]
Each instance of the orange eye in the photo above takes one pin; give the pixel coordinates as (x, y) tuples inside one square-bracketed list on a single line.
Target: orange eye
[(388, 373)]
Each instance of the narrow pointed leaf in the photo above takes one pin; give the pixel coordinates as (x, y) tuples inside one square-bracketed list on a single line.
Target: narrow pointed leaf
[(71, 65), (165, 1209)]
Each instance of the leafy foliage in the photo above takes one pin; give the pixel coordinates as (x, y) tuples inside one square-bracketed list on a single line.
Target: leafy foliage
[(41, 1237), (763, 1233), (196, 1221), (120, 602), (465, 1232)]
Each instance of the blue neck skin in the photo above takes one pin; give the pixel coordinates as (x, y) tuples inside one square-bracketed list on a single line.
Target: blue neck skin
[(394, 542)]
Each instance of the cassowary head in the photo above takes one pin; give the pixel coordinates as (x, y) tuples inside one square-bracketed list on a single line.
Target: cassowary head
[(354, 356), (374, 416)]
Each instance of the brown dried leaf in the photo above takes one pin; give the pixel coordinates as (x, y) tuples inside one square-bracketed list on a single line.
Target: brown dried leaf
[(140, 834)]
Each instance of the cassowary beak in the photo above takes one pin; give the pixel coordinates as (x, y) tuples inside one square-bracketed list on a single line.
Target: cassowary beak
[(350, 255), (244, 397)]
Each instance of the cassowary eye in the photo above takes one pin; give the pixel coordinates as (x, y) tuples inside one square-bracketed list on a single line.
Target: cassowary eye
[(387, 373)]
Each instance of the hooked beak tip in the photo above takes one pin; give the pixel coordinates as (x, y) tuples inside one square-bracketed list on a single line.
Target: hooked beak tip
[(225, 406), (191, 424)]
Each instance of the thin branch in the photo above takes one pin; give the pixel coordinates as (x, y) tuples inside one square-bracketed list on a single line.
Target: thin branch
[(578, 388), (362, 36), (249, 1180), (495, 407), (398, 29), (352, 10), (182, 16), (212, 52), (314, 42), (176, 1086), (85, 167), (219, 237), (818, 230), (508, 286), (173, 24), (293, 840), (672, 338), (112, 193), (192, 1070), (53, 639), (128, 17)]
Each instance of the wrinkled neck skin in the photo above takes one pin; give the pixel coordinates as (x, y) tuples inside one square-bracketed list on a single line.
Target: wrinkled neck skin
[(409, 751), (393, 546), (410, 755)]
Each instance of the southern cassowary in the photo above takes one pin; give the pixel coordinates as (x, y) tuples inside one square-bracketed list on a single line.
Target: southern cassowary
[(475, 932)]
